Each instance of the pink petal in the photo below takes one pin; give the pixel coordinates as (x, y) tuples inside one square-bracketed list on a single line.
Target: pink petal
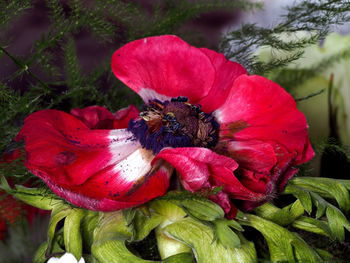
[(163, 67), (123, 116), (226, 73), (259, 109), (104, 193), (197, 166), (94, 117), (272, 188), (96, 169), (67, 151), (253, 154)]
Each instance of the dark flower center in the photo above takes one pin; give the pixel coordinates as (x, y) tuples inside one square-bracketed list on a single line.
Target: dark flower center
[(174, 123)]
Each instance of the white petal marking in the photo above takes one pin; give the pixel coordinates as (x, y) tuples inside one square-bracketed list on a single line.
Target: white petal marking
[(122, 144), (135, 166), (149, 94)]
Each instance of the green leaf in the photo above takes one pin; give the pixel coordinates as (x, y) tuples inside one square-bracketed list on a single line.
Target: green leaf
[(284, 216), (58, 213), (199, 237), (302, 194), (143, 225), (180, 258), (36, 197), (109, 239), (40, 254), (168, 246), (332, 187), (72, 235), (202, 209), (312, 225), (225, 235), (129, 215), (232, 223), (4, 185), (170, 213), (283, 245), (112, 226), (88, 224), (346, 183), (168, 210), (320, 203), (325, 254), (114, 251), (337, 222)]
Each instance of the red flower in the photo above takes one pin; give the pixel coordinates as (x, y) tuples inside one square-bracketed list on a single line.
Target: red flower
[(204, 116), (11, 209)]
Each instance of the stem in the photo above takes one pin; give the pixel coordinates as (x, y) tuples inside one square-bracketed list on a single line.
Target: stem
[(24, 67)]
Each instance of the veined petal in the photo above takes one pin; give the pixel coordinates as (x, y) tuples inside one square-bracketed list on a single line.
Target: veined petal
[(162, 67), (67, 151), (113, 189), (226, 73), (253, 154), (197, 166), (101, 170), (193, 172), (259, 109)]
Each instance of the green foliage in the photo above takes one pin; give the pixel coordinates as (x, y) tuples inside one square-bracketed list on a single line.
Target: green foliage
[(10, 10), (280, 226), (195, 220), (313, 17), (112, 23), (289, 79), (312, 191)]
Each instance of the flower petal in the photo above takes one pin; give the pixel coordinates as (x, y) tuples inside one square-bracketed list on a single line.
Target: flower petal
[(253, 154), (162, 67), (259, 109), (198, 165), (226, 73), (67, 151), (94, 117), (188, 162), (108, 191), (123, 116)]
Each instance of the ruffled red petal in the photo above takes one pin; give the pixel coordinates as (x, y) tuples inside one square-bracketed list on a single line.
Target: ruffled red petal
[(226, 73), (259, 109), (107, 192), (123, 116), (252, 154), (67, 150), (96, 117), (97, 169), (163, 67), (197, 166)]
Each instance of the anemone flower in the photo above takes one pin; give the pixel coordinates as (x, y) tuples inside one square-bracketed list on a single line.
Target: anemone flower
[(204, 117)]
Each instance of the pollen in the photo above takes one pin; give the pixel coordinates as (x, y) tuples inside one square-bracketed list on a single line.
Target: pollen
[(174, 123)]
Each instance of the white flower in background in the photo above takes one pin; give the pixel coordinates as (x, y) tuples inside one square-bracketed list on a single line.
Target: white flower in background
[(66, 258)]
